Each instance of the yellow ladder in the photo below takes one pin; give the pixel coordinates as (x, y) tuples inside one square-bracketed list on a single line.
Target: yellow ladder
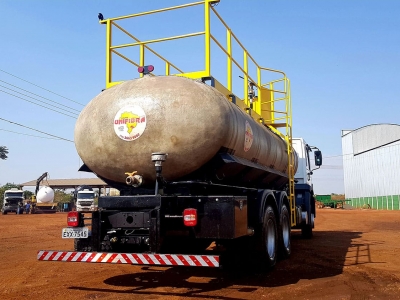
[(291, 195)]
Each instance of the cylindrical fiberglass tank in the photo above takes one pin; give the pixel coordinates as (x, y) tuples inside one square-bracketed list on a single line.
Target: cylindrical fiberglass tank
[(45, 195), (119, 129)]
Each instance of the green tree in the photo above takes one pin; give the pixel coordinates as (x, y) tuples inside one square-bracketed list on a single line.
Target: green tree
[(27, 194), (61, 197), (5, 187), (3, 152)]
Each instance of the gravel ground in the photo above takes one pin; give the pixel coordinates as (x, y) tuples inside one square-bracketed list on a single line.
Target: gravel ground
[(354, 254)]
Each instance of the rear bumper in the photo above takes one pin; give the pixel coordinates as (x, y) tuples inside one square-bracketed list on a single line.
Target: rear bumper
[(7, 210), (44, 208), (85, 208), (131, 258)]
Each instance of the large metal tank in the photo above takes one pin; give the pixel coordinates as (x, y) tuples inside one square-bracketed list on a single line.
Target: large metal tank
[(119, 129), (45, 195)]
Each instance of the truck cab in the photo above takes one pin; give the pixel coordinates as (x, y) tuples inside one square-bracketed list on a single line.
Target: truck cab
[(304, 190), (12, 198), (85, 200), (305, 168), (303, 174)]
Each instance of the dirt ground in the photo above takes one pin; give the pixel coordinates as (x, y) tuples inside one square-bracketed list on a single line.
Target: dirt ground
[(355, 254)]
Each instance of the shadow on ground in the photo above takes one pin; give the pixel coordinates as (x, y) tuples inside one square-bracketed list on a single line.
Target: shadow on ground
[(322, 256)]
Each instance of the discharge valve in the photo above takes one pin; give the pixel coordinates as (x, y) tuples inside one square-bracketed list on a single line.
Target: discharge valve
[(133, 179), (158, 158)]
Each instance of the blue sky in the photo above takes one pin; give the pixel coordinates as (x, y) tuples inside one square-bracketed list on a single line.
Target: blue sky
[(342, 58)]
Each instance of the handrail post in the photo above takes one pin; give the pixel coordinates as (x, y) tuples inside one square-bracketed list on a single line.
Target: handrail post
[(246, 78), (207, 31), (108, 53), (141, 59), (258, 104), (271, 87), (229, 62), (167, 68)]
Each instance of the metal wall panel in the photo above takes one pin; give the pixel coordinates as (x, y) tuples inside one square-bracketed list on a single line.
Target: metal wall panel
[(374, 136), (376, 172)]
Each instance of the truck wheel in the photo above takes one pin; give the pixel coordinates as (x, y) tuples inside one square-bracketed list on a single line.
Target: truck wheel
[(3, 213), (306, 229), (269, 238), (285, 245)]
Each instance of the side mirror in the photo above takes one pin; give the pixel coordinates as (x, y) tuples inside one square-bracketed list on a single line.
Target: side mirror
[(318, 158)]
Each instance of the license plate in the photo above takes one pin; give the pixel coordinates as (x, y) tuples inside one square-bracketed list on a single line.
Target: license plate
[(73, 233)]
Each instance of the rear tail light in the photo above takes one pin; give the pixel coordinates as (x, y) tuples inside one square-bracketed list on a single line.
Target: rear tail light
[(145, 69), (190, 217), (73, 218)]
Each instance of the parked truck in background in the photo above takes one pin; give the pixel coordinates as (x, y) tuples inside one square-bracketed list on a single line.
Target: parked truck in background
[(13, 199), (84, 197), (202, 174)]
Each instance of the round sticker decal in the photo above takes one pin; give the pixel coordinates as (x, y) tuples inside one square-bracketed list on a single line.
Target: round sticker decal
[(130, 123), (248, 137)]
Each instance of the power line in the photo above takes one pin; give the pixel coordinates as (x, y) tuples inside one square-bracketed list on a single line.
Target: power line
[(36, 130), (37, 95), (74, 117), (41, 87), (42, 137), (70, 112)]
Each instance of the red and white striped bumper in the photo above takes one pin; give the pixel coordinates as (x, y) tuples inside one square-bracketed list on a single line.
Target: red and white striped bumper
[(131, 258)]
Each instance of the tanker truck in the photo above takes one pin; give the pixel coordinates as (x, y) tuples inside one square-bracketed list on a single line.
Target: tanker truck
[(203, 175)]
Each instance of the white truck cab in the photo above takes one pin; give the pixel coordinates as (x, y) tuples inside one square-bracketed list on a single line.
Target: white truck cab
[(12, 198), (303, 174), (304, 191), (85, 200), (305, 168)]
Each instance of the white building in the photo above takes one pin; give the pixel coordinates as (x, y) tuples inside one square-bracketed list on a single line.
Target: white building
[(371, 165)]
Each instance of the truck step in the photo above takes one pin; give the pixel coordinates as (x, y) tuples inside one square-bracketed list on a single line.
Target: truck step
[(131, 258)]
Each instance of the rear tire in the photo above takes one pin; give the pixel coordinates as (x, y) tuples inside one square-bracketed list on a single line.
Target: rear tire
[(307, 229), (269, 239), (285, 244)]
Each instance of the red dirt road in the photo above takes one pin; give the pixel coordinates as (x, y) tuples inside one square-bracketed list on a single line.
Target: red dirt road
[(355, 254)]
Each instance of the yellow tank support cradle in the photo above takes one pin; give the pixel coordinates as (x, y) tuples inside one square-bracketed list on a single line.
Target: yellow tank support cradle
[(267, 96)]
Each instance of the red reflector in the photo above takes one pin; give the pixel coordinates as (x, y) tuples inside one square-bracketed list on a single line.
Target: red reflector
[(73, 219), (150, 68), (190, 217), (140, 69)]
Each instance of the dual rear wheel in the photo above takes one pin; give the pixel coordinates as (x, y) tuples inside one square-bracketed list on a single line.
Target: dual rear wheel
[(275, 237)]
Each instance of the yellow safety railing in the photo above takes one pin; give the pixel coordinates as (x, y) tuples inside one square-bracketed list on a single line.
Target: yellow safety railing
[(262, 107)]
